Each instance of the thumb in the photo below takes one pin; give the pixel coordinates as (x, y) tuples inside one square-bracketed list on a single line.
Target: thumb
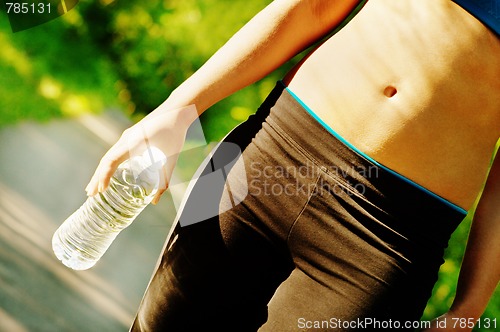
[(166, 176), (157, 197)]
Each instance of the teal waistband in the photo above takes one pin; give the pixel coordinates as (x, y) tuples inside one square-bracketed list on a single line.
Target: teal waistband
[(364, 155)]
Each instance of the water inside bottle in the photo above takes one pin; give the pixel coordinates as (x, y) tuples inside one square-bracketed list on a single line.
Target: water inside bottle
[(82, 239)]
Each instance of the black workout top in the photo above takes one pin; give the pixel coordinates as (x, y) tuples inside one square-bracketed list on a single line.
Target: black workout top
[(487, 11)]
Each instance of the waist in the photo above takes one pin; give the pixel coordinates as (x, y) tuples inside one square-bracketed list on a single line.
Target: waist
[(391, 192), (428, 128), (442, 144)]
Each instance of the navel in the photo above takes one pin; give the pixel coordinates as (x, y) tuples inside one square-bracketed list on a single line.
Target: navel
[(390, 91)]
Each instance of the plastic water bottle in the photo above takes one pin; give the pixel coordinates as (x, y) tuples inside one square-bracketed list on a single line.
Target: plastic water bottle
[(86, 235)]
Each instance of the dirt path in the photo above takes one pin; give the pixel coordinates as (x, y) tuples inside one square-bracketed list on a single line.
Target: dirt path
[(43, 170)]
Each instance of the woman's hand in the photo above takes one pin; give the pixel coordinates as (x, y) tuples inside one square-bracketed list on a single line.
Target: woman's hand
[(163, 128)]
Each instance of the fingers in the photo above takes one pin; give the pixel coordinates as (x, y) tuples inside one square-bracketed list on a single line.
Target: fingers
[(165, 130), (106, 168), (92, 187)]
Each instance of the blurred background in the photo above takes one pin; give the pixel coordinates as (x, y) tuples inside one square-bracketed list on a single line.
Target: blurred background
[(68, 88)]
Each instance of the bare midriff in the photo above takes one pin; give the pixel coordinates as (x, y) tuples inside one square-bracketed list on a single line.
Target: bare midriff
[(415, 85)]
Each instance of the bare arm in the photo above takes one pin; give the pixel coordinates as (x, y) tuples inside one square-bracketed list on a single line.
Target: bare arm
[(272, 37), (480, 271)]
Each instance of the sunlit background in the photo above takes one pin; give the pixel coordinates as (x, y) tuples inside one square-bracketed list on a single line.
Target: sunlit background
[(67, 90)]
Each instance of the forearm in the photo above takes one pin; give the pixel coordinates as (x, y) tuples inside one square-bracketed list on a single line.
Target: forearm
[(480, 270), (272, 37), (480, 273)]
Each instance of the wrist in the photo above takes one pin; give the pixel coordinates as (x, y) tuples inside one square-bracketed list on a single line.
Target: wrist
[(190, 92), (183, 107), (179, 115)]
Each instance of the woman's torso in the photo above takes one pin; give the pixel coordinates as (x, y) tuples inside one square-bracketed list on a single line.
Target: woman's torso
[(415, 85)]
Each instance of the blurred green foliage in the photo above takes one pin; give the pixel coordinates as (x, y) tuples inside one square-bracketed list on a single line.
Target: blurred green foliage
[(131, 55), (122, 54)]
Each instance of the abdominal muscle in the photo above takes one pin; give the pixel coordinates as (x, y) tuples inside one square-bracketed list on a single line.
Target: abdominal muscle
[(414, 85)]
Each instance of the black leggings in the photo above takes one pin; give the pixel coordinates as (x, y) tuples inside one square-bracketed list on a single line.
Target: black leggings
[(308, 231)]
